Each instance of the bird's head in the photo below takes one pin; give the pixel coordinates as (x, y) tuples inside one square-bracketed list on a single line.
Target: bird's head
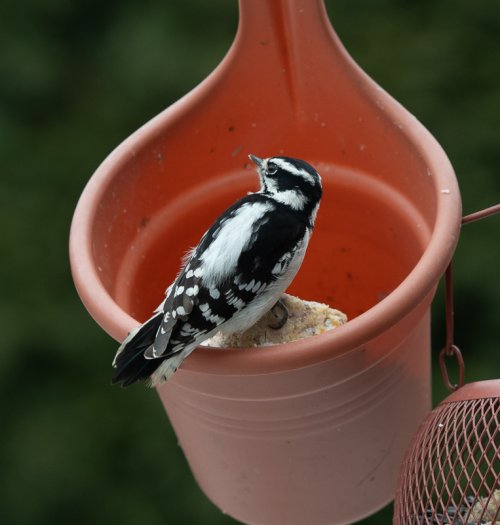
[(292, 182)]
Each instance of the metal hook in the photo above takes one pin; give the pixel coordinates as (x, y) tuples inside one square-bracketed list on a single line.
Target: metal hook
[(444, 370), (451, 349)]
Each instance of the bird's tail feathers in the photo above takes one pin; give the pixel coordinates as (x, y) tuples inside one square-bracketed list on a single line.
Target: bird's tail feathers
[(129, 362)]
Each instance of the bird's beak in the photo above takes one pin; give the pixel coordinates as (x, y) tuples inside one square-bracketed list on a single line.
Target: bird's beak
[(261, 169), (258, 161)]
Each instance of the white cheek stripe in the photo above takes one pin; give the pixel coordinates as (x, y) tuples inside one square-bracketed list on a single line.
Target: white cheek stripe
[(295, 199)]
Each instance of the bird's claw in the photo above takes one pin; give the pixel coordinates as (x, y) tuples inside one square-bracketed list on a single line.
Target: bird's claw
[(280, 312)]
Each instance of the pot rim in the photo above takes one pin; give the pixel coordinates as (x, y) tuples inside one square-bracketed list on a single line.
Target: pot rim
[(358, 331)]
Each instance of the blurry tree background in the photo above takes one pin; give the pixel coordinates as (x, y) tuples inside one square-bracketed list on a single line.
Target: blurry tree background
[(76, 78)]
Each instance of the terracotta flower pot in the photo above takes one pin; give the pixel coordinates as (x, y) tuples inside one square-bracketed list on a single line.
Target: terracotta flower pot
[(313, 431)]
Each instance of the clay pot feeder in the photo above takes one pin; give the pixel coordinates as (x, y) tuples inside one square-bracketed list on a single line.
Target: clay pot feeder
[(312, 431)]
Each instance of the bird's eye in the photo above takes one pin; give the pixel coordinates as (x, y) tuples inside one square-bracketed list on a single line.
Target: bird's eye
[(271, 169)]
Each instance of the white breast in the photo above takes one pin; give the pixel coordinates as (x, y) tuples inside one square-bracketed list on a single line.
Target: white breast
[(267, 298)]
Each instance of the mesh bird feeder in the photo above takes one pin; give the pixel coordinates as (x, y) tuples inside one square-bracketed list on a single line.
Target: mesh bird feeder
[(451, 473)]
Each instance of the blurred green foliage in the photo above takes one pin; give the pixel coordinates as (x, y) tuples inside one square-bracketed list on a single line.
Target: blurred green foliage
[(78, 77)]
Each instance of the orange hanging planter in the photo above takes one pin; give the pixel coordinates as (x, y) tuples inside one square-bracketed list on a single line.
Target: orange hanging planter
[(311, 431)]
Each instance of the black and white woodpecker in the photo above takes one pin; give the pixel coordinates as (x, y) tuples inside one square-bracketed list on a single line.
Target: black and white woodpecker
[(237, 273)]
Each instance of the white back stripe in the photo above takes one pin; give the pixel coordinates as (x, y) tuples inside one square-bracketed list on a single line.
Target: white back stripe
[(221, 257)]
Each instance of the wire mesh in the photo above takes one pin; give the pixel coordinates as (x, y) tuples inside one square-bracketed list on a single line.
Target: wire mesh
[(451, 473)]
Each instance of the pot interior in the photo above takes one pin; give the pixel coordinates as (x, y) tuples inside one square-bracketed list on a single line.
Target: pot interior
[(368, 237)]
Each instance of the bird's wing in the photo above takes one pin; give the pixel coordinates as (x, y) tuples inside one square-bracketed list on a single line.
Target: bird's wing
[(182, 295), (178, 305), (247, 264)]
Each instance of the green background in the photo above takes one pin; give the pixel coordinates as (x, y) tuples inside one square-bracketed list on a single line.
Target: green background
[(76, 78)]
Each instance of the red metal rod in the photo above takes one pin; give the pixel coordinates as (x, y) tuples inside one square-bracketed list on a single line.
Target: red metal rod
[(450, 348), (450, 310), (492, 210)]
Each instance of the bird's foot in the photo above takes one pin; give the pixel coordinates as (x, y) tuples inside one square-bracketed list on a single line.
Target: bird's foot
[(280, 313)]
